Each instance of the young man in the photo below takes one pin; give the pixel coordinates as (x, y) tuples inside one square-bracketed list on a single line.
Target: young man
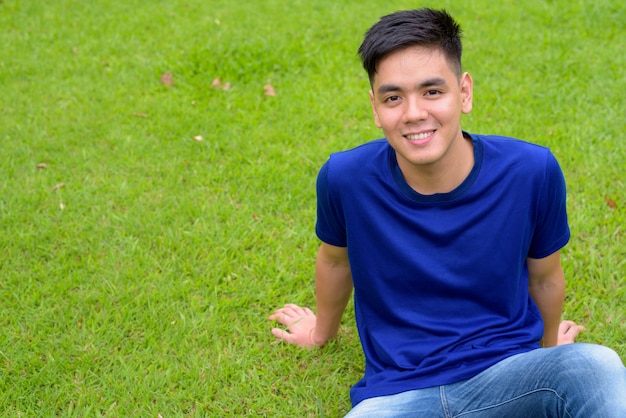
[(451, 242)]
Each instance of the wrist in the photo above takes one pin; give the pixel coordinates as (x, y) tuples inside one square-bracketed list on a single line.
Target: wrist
[(316, 340)]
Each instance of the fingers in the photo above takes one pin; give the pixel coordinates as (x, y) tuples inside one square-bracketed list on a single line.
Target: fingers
[(298, 323), (290, 313), (570, 328), (296, 311), (282, 334), (565, 325), (568, 331)]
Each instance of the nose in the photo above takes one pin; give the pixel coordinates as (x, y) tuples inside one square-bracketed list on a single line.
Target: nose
[(414, 110)]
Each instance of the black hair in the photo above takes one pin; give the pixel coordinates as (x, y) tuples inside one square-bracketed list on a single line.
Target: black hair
[(421, 27)]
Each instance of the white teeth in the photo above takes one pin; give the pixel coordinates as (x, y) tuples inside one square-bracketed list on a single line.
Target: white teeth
[(417, 137)]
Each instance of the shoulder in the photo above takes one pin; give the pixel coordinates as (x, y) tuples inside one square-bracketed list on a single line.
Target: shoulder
[(368, 157), (509, 152), (361, 154), (498, 143)]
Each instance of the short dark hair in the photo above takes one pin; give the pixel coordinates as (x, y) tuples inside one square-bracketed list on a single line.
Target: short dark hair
[(421, 27)]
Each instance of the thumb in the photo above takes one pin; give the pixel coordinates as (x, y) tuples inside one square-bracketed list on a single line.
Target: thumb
[(282, 334)]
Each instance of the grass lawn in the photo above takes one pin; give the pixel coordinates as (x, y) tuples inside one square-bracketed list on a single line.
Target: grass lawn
[(152, 216)]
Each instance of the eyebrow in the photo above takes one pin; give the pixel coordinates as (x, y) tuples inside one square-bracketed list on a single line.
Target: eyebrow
[(431, 82)]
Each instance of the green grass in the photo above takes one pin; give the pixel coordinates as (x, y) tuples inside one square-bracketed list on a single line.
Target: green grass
[(142, 285)]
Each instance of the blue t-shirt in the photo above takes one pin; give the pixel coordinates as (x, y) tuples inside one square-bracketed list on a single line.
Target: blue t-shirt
[(441, 281)]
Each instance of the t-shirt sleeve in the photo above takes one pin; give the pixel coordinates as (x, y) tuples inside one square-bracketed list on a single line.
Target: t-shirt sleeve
[(330, 226), (552, 230)]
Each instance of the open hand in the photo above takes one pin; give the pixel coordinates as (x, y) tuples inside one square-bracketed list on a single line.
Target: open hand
[(568, 331), (299, 323)]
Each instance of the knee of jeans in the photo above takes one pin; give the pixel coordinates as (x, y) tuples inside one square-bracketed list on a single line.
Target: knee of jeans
[(598, 357)]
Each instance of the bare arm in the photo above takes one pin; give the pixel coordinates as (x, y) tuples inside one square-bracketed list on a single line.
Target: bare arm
[(546, 284), (333, 288)]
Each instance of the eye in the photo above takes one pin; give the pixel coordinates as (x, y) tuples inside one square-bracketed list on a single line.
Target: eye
[(432, 92), (392, 99)]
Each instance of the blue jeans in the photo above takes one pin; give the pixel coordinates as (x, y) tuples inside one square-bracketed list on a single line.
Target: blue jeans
[(574, 381)]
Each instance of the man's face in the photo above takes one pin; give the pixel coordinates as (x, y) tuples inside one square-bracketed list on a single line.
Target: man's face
[(417, 100)]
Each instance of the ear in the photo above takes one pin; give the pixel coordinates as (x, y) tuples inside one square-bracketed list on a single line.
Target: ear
[(373, 103), (467, 90)]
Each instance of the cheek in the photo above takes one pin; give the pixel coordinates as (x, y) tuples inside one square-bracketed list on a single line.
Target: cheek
[(386, 118), (447, 110)]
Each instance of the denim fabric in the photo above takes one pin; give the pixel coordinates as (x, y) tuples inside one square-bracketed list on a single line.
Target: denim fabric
[(574, 381)]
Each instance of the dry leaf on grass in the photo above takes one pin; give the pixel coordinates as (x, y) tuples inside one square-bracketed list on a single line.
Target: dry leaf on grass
[(167, 79), (41, 165), (57, 186), (269, 90), (610, 202), (217, 84)]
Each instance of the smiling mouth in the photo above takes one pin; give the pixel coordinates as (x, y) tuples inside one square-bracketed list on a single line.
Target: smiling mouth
[(421, 137)]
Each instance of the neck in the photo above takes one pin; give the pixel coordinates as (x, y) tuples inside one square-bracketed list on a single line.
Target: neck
[(442, 176)]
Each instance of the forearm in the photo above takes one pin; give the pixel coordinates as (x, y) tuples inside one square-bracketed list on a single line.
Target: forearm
[(549, 295), (333, 288)]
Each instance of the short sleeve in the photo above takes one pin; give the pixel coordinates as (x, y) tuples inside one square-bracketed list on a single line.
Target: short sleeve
[(551, 229), (330, 226)]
